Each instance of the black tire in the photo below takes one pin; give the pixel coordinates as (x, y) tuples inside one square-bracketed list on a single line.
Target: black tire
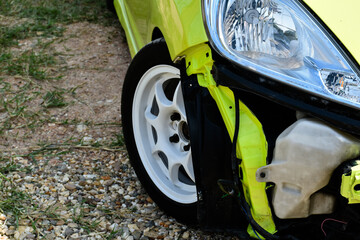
[(155, 55), (110, 5)]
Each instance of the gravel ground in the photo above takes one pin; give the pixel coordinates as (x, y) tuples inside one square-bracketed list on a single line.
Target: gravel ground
[(68, 176), (90, 194)]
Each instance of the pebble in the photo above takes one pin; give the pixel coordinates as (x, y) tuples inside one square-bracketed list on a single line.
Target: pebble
[(99, 198), (31, 236), (66, 178), (73, 225), (75, 235), (60, 223), (81, 128), (133, 227), (186, 235), (90, 176), (68, 231), (149, 233), (10, 232), (70, 186), (50, 236), (87, 140)]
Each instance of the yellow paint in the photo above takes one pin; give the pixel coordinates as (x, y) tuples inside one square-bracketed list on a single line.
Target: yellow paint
[(251, 144), (179, 21), (348, 183), (343, 18), (132, 37)]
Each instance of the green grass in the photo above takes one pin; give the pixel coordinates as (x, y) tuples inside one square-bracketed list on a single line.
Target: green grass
[(14, 105), (12, 200), (60, 11), (29, 63), (118, 141), (30, 69), (46, 18), (40, 23), (54, 99), (10, 36)]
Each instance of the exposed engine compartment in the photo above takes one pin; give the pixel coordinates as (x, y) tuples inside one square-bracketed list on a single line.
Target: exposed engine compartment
[(306, 154)]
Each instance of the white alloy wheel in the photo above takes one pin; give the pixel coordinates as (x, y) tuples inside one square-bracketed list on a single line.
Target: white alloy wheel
[(162, 135)]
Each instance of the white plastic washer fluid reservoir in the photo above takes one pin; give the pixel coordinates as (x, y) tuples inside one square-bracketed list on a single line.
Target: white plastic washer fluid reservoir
[(305, 156)]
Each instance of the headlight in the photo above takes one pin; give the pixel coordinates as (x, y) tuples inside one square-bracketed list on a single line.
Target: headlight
[(282, 40)]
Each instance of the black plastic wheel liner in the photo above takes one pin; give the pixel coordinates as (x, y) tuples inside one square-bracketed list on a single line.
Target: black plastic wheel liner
[(211, 152)]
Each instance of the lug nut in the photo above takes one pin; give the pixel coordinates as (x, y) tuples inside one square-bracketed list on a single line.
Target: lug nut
[(175, 117), (174, 138)]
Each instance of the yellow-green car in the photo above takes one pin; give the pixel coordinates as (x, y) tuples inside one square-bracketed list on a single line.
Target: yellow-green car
[(244, 115)]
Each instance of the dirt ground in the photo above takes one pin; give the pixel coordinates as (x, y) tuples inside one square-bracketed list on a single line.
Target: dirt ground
[(94, 61), (64, 170)]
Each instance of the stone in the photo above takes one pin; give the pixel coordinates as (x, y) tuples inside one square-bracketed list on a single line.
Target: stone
[(68, 232), (75, 235), (50, 236), (81, 128), (186, 235), (30, 236), (72, 225), (133, 227), (22, 232), (60, 223), (70, 186), (87, 140), (149, 233), (10, 232)]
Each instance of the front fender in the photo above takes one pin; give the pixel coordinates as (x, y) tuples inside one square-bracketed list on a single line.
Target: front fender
[(180, 22)]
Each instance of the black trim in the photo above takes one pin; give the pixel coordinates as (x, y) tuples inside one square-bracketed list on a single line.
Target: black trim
[(343, 117), (211, 153)]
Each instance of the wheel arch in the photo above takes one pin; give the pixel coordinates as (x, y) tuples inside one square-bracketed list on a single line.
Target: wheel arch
[(179, 22), (156, 34)]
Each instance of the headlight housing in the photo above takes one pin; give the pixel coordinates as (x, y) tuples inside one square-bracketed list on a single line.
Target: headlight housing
[(282, 40)]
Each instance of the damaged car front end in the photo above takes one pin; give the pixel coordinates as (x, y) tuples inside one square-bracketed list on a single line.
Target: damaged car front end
[(243, 115)]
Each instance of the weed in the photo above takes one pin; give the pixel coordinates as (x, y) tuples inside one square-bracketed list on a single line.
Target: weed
[(118, 141), (54, 99), (12, 200), (28, 63), (113, 234), (61, 11), (79, 217), (51, 212), (10, 36)]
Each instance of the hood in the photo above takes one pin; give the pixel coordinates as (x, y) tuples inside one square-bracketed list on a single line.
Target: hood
[(343, 18)]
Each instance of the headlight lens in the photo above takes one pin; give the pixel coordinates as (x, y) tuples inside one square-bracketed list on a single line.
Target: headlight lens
[(282, 40)]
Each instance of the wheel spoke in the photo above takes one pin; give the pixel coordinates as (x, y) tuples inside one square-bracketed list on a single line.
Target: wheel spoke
[(149, 116), (175, 161), (178, 101), (162, 145), (174, 172)]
